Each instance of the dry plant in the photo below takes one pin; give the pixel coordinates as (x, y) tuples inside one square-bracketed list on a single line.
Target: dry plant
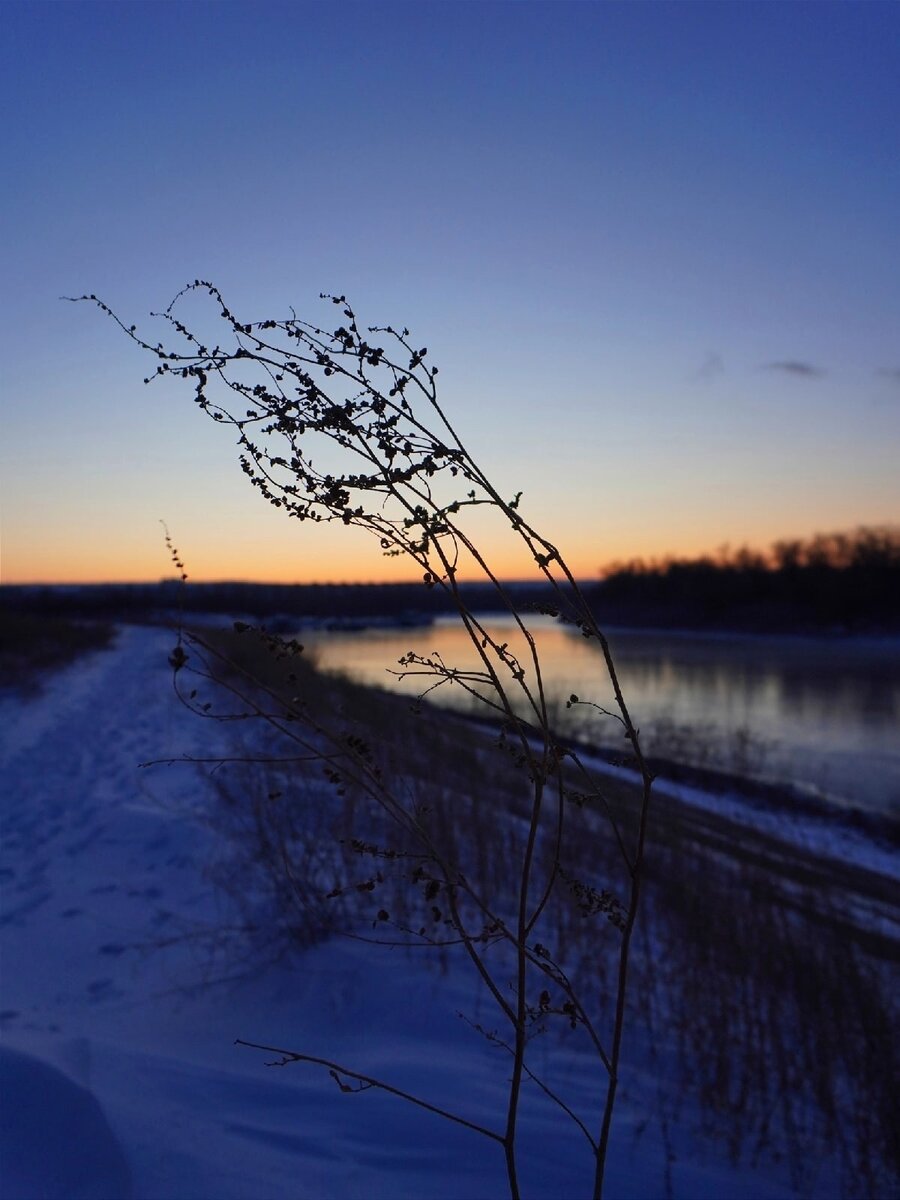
[(771, 1019), (345, 425)]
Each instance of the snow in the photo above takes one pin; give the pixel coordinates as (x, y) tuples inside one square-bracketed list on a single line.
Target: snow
[(119, 1072), (825, 835), (86, 1161)]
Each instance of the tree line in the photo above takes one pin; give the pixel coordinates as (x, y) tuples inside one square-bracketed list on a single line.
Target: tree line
[(847, 581)]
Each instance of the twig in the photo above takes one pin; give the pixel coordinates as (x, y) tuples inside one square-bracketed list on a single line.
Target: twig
[(292, 1056)]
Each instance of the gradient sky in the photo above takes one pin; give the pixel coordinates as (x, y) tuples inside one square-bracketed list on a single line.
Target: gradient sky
[(654, 250)]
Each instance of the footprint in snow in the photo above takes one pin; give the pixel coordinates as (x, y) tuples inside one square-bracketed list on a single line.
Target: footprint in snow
[(87, 838), (113, 949), (102, 988), (151, 893)]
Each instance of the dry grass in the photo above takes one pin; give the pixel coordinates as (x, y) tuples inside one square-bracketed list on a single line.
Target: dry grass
[(31, 646), (774, 1005), (762, 996)]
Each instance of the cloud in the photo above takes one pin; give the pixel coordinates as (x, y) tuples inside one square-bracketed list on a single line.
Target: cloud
[(711, 367), (791, 366), (891, 373)]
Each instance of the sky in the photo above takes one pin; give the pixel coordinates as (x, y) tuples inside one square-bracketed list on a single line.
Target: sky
[(654, 250)]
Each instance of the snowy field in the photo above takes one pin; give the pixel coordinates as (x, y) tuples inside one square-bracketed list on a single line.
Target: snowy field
[(119, 1073)]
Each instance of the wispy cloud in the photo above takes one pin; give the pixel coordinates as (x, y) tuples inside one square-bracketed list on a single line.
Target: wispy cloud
[(793, 366), (711, 368), (891, 373)]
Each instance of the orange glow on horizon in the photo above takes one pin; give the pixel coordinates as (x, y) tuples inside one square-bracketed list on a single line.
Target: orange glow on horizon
[(66, 565), (260, 567)]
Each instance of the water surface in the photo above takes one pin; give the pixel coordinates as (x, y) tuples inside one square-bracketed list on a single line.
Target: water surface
[(819, 712)]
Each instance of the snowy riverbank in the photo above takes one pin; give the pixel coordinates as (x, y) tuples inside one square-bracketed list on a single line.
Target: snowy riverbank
[(119, 1073)]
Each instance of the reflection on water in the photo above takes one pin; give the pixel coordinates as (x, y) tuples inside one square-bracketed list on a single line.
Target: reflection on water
[(822, 713)]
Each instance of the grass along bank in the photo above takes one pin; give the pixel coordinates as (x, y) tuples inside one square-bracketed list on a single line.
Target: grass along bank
[(762, 997)]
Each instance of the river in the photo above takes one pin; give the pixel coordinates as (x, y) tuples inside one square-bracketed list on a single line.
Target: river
[(820, 713)]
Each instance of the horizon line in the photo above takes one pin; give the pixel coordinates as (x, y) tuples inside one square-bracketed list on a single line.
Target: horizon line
[(174, 580)]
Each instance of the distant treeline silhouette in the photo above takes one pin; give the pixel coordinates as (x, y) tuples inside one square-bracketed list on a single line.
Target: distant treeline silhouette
[(327, 602), (836, 582), (846, 582)]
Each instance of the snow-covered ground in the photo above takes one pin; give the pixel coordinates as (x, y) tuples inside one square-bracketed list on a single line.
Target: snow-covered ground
[(119, 1076)]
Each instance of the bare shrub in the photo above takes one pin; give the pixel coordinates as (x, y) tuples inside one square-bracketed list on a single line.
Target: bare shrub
[(772, 1012), (345, 425)]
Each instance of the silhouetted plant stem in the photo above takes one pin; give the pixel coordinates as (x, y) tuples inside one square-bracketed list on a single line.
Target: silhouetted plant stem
[(335, 1070), (621, 993), (412, 483)]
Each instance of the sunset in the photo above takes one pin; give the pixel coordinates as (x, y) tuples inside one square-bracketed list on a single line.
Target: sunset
[(652, 249), (449, 626)]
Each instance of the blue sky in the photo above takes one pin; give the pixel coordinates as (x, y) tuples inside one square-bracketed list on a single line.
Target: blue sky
[(653, 249)]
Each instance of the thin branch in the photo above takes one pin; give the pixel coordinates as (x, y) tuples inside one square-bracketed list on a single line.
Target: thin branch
[(268, 759), (292, 1056)]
